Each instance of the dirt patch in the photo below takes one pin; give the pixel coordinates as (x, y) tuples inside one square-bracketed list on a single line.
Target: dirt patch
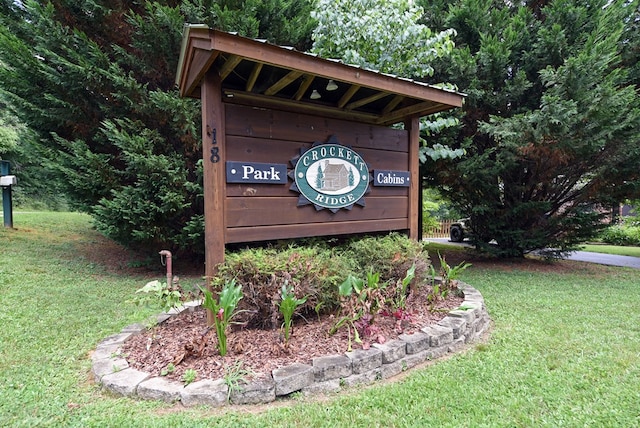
[(185, 342)]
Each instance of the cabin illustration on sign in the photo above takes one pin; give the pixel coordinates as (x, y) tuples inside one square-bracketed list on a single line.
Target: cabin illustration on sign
[(336, 176)]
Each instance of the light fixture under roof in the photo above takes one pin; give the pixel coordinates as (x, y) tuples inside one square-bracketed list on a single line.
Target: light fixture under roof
[(331, 85), (315, 95)]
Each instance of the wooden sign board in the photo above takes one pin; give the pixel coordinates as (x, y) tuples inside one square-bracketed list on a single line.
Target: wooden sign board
[(259, 118), (265, 210)]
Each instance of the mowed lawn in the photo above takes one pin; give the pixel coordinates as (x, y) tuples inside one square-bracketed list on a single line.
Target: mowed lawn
[(613, 249), (564, 349)]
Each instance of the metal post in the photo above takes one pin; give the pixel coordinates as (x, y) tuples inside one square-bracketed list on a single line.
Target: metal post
[(7, 205)]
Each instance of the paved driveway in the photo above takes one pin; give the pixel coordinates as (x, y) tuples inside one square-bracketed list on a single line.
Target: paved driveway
[(606, 259), (580, 256)]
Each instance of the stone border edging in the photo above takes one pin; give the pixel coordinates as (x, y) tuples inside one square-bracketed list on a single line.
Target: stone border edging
[(326, 374)]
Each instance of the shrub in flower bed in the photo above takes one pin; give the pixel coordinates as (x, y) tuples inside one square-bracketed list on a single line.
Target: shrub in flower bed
[(314, 269)]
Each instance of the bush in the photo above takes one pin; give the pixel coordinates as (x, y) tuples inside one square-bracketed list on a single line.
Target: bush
[(314, 270), (621, 235), (632, 221), (391, 255)]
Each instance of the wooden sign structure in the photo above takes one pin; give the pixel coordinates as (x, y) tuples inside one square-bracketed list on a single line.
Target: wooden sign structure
[(264, 106)]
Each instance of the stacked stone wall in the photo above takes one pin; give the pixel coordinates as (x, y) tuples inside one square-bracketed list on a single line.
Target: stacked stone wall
[(327, 374)]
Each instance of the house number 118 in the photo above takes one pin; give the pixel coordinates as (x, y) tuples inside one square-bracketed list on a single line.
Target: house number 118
[(215, 150)]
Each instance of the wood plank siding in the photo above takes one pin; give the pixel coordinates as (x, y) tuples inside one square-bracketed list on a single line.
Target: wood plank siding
[(267, 211)]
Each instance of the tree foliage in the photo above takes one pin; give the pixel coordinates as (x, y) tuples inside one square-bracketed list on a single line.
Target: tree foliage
[(8, 137), (386, 36), (94, 80), (379, 34), (549, 127), (551, 123)]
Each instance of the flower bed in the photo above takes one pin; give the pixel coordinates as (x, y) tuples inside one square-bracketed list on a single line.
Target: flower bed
[(330, 373)]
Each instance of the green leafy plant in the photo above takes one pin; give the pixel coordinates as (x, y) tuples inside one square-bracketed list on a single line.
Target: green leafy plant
[(314, 269), (170, 368), (450, 273), (440, 288), (189, 376), (317, 309), (621, 235), (346, 290), (366, 295), (233, 376), (401, 291), (160, 294), (436, 293), (390, 255), (360, 299), (288, 305), (223, 310)]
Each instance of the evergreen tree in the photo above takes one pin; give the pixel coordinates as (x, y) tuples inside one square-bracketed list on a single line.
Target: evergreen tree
[(94, 79), (551, 122), (319, 178)]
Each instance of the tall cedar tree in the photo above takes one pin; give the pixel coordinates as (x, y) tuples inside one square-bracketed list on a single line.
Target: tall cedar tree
[(551, 123), (95, 80)]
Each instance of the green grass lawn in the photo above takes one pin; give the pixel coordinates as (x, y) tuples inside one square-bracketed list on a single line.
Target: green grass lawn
[(612, 249), (564, 349)]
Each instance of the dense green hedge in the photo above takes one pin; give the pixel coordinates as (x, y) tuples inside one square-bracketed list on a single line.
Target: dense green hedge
[(621, 235)]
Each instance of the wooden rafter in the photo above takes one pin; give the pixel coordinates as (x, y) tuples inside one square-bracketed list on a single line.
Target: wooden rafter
[(255, 72), (392, 104), (229, 65), (364, 101), (263, 101), (282, 83), (420, 109), (253, 50), (250, 60), (304, 85), (348, 95), (201, 61)]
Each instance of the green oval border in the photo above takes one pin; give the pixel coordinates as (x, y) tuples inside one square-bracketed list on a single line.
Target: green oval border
[(327, 200)]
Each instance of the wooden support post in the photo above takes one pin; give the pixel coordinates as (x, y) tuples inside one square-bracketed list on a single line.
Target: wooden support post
[(213, 154), (415, 210)]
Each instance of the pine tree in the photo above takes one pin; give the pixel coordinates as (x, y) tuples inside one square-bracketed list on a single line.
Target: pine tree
[(95, 80), (319, 178), (550, 125)]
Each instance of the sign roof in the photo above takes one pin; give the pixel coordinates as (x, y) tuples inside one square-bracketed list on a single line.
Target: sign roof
[(255, 72)]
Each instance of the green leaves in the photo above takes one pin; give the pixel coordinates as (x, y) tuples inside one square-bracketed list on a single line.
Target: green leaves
[(378, 34), (438, 151), (223, 310), (160, 294), (350, 285), (287, 306), (550, 126), (95, 81)]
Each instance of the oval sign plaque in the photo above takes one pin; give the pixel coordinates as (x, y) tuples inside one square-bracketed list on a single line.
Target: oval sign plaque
[(332, 176)]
